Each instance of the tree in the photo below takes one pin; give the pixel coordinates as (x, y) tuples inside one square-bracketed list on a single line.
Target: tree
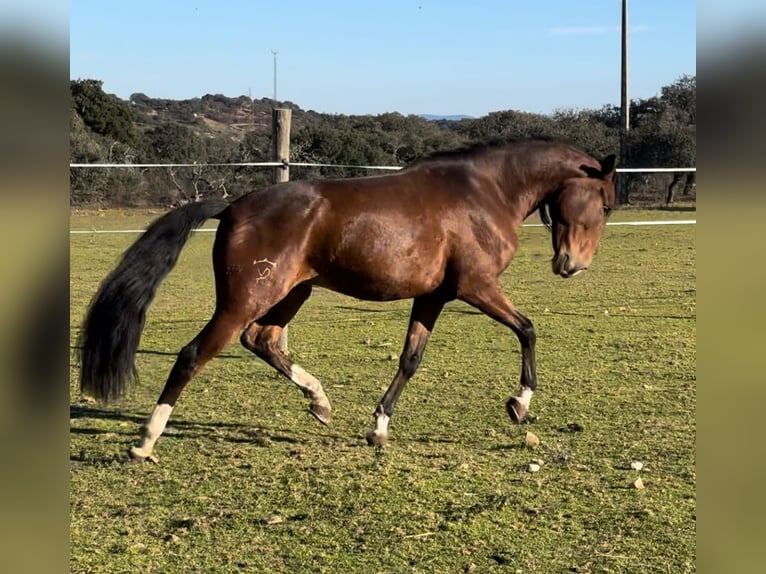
[(103, 113), (586, 130), (86, 185), (665, 132), (220, 129)]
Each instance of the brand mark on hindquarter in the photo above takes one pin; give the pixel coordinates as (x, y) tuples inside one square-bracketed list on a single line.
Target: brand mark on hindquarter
[(265, 270)]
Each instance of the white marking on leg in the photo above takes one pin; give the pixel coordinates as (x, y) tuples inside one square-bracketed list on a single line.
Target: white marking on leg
[(152, 430), (302, 378), (525, 396), (381, 424), (306, 381)]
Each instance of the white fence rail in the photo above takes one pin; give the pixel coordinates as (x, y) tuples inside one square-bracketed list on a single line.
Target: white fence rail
[(307, 164)]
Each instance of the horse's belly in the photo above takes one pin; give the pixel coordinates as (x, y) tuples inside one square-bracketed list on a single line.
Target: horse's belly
[(396, 281)]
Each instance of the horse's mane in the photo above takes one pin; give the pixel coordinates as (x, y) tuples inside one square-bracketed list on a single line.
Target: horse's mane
[(476, 149)]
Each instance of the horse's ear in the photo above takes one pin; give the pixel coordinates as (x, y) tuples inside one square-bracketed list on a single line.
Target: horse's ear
[(590, 171), (608, 166)]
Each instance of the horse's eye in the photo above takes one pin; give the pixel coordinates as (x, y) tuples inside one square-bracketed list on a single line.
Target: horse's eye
[(607, 209)]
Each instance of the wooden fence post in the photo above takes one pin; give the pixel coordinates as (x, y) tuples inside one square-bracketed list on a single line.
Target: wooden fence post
[(281, 141)]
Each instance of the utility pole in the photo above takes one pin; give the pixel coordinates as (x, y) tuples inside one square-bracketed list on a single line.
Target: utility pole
[(275, 52), (624, 105)]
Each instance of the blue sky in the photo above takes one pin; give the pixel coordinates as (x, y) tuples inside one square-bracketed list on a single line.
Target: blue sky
[(375, 56)]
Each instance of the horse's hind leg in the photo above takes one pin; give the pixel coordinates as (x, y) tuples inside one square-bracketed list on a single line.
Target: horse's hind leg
[(206, 345), (262, 336), (425, 311)]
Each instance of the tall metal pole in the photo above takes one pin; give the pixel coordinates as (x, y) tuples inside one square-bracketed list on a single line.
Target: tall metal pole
[(624, 105), (275, 52)]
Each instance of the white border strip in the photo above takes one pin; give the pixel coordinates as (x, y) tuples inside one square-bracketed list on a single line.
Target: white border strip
[(208, 230)]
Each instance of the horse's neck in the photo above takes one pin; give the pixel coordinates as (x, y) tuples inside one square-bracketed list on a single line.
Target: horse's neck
[(526, 189)]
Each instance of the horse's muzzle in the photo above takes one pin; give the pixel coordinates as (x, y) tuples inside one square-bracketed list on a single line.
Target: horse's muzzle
[(566, 266)]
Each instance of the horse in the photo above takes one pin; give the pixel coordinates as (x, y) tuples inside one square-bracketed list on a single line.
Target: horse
[(443, 228)]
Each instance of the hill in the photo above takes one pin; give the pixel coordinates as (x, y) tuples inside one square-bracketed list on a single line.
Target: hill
[(213, 114), (452, 118), (217, 129)]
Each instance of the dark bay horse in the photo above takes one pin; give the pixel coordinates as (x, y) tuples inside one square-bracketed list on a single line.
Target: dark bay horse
[(443, 228)]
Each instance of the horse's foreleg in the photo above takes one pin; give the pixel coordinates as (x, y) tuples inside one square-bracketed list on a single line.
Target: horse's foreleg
[(262, 337), (425, 311), (492, 302), (206, 345)]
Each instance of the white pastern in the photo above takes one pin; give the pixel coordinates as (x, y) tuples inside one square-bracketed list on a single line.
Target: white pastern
[(381, 424), (525, 396), (152, 430), (303, 379), (306, 381)]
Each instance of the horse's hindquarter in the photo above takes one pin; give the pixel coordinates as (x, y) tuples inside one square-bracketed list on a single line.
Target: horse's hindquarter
[(263, 238)]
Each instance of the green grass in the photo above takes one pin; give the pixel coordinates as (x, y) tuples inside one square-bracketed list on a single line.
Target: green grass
[(616, 355)]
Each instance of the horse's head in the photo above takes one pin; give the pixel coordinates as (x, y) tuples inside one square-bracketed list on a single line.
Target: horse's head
[(576, 215)]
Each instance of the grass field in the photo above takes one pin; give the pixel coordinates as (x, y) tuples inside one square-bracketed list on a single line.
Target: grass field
[(248, 481)]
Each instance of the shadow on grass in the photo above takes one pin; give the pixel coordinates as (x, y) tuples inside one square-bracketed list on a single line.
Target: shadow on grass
[(619, 315), (399, 312), (175, 354), (181, 429), (369, 309), (462, 311), (673, 208), (74, 349), (87, 412)]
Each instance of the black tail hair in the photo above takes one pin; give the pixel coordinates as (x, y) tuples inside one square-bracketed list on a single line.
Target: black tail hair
[(112, 327)]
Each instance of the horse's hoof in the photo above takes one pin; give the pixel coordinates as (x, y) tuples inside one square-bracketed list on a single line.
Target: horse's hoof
[(516, 410), (320, 412), (376, 438), (135, 455)]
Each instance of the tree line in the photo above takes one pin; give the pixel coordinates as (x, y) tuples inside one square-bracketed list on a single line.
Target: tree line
[(218, 129)]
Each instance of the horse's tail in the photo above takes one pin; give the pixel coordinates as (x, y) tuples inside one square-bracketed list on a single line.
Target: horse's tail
[(114, 321)]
